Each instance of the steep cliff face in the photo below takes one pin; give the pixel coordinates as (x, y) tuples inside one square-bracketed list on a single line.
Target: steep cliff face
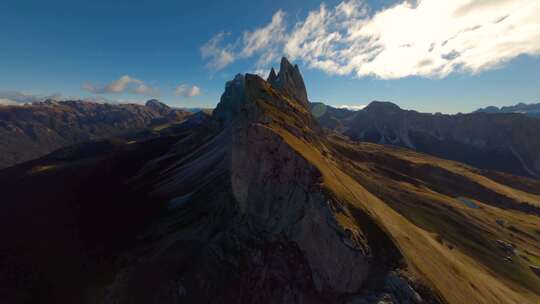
[(280, 194), (231, 101)]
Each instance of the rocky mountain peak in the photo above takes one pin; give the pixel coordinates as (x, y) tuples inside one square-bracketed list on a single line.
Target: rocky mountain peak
[(382, 107), (155, 103), (249, 88), (489, 109), (158, 106), (272, 77), (289, 81), (231, 100)]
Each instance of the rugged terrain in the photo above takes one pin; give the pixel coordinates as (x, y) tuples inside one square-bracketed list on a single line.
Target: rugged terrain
[(507, 142), (523, 108), (259, 204), (34, 130)]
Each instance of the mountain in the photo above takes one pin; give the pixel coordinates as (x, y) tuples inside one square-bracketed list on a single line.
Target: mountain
[(34, 130), (289, 81), (259, 204), (522, 108), (502, 142), (332, 118)]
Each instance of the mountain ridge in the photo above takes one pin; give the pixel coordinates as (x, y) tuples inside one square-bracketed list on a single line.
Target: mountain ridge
[(503, 142), (31, 131), (285, 182), (260, 204), (531, 109)]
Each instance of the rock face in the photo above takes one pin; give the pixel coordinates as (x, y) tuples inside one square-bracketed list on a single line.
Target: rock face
[(278, 192), (502, 142), (289, 81), (231, 101), (31, 131)]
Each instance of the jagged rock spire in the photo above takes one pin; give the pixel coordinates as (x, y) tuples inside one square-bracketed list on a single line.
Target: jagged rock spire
[(289, 81), (272, 77)]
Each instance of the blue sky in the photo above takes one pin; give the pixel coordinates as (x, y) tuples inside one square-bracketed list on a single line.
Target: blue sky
[(84, 48)]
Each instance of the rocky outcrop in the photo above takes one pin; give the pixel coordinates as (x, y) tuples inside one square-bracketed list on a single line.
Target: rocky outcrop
[(289, 81), (231, 101), (278, 192), (158, 107)]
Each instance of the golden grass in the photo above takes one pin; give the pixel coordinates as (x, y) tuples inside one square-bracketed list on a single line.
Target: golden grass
[(42, 168), (464, 170), (455, 273), (466, 266)]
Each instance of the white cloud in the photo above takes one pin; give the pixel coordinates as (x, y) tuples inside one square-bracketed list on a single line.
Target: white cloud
[(218, 57), (429, 38), (124, 84), (265, 41), (12, 97), (263, 73), (350, 107), (187, 91), (8, 102)]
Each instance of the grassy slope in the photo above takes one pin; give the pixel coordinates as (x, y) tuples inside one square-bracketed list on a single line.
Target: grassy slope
[(447, 246), (458, 277)]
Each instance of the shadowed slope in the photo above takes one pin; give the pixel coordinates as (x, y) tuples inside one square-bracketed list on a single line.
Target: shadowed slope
[(31, 131)]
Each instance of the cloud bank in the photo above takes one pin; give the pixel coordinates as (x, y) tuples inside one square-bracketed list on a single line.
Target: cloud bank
[(11, 97), (428, 38), (350, 107), (187, 91), (125, 84), (217, 56)]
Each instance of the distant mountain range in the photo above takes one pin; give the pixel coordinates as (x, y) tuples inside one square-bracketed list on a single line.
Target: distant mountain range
[(522, 108), (33, 130), (507, 142)]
